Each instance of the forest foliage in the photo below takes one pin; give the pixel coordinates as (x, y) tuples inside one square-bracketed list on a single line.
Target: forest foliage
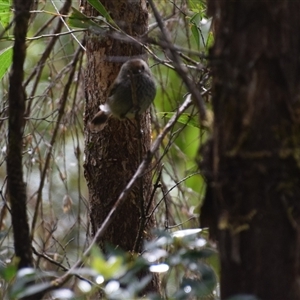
[(67, 264)]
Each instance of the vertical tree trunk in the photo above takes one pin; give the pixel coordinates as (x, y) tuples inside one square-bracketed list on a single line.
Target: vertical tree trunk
[(252, 164), (112, 155), (15, 183)]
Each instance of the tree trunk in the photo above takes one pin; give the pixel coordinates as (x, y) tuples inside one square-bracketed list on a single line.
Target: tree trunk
[(252, 163), (113, 155), (15, 184)]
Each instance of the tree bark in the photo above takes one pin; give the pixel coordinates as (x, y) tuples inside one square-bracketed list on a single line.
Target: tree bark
[(113, 155), (252, 163), (15, 183)]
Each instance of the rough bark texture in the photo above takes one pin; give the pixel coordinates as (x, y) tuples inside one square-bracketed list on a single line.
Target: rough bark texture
[(112, 155), (252, 163), (15, 184)]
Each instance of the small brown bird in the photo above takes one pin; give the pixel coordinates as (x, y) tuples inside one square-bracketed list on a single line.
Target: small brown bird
[(131, 93)]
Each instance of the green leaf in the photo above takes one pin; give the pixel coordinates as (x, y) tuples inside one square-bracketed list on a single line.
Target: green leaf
[(99, 264), (113, 267), (197, 5), (5, 61), (196, 19), (214, 262), (5, 12), (79, 20), (8, 272), (210, 40), (196, 31), (101, 9), (185, 118), (138, 285), (208, 276), (33, 289), (199, 288), (194, 255), (196, 34)]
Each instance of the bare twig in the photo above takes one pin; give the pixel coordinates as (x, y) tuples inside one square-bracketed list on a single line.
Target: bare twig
[(139, 172), (54, 34), (173, 187), (178, 65), (38, 69), (61, 110), (63, 20)]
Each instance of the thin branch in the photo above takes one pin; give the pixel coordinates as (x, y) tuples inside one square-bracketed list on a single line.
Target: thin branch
[(178, 64), (38, 69), (139, 172), (61, 110), (54, 34), (173, 187), (156, 185), (7, 28), (142, 168), (180, 224), (58, 264), (63, 20)]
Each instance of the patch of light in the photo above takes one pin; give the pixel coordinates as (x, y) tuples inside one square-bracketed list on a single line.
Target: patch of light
[(84, 286), (99, 279), (25, 272), (186, 232), (112, 287), (155, 255), (187, 289), (161, 268), (62, 294)]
